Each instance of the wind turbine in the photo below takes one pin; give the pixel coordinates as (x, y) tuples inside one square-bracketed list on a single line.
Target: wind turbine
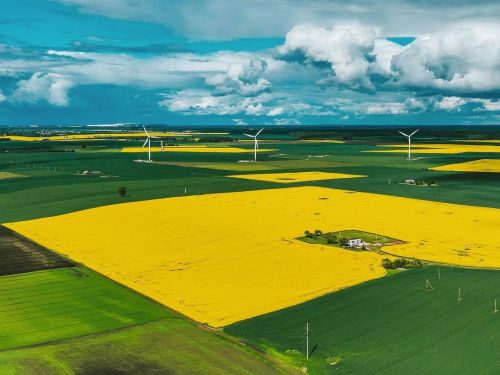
[(148, 142), (409, 142), (256, 143)]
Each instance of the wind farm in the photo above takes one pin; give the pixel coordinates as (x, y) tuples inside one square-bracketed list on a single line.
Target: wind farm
[(220, 245)]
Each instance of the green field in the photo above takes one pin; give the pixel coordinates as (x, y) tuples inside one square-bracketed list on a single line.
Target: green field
[(52, 186), (392, 326), (42, 306), (72, 320), (168, 346)]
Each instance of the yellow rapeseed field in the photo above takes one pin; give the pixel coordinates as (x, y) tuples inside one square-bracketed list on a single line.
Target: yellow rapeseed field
[(481, 165), (220, 258), (7, 175), (322, 141), (94, 136), (290, 177), (228, 150), (435, 148)]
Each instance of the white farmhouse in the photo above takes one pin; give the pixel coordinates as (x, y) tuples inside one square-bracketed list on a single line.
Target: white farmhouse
[(354, 242)]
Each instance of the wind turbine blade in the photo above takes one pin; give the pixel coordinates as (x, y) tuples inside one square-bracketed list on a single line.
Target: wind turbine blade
[(145, 142), (259, 132), (145, 131), (414, 132), (248, 135), (406, 135)]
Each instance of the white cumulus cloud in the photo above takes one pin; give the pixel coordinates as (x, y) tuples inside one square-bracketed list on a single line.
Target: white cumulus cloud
[(450, 103), (43, 86), (461, 58), (387, 109), (346, 48), (245, 80)]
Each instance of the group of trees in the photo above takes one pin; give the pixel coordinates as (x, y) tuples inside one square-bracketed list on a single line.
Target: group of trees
[(400, 263), (425, 182), (330, 238), (315, 234)]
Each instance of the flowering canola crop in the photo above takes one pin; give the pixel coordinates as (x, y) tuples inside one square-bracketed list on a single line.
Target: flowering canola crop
[(290, 177), (228, 150), (481, 165), (90, 136), (435, 148), (220, 258)]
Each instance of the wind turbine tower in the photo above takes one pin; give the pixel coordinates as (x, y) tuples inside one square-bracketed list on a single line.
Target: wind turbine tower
[(148, 142), (409, 141), (256, 143)]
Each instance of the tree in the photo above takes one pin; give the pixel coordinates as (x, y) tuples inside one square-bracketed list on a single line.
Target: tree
[(308, 234), (331, 238), (318, 233), (387, 264), (399, 263), (122, 191)]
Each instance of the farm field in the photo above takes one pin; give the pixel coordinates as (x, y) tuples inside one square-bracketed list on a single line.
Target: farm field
[(214, 276), (43, 306), (291, 177), (53, 187), (95, 136), (261, 166), (435, 148), (227, 150), (7, 175), (167, 346), (20, 255), (390, 326), (237, 244), (482, 165)]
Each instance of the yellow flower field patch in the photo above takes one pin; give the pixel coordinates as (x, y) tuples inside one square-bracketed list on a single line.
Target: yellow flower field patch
[(94, 136), (220, 258), (321, 141), (291, 177), (432, 148), (481, 165), (228, 150), (8, 175)]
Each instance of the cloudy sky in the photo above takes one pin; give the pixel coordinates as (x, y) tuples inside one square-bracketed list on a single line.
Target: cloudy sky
[(195, 62)]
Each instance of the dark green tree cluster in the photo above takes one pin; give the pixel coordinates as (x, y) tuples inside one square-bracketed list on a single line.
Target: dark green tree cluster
[(400, 263), (317, 233)]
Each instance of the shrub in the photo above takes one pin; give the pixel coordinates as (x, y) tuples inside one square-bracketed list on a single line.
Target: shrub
[(122, 191)]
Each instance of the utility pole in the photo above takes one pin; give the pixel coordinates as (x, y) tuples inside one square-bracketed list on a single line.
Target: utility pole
[(459, 295), (495, 311), (307, 340)]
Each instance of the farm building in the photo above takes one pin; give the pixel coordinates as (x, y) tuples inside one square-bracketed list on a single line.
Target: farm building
[(354, 242)]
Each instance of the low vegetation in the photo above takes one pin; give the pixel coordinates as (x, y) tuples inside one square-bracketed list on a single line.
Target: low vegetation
[(399, 263)]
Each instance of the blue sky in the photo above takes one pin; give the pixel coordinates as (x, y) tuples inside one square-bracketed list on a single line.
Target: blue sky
[(215, 62)]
